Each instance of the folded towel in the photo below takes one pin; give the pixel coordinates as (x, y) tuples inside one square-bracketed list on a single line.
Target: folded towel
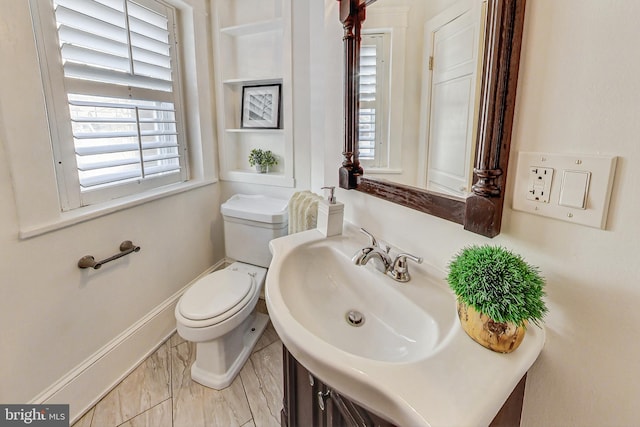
[(303, 211), (308, 213), (294, 204)]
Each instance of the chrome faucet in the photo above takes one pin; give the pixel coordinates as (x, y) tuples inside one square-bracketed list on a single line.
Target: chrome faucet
[(396, 269), (381, 259)]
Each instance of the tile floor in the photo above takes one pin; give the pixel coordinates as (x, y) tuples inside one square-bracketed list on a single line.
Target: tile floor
[(160, 392)]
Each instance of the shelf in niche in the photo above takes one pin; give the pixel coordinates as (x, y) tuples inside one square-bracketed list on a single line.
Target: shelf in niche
[(253, 27), (253, 130), (253, 81), (277, 179)]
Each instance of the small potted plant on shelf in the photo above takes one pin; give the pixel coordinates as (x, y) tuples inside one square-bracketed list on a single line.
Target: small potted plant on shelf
[(262, 160), (497, 293)]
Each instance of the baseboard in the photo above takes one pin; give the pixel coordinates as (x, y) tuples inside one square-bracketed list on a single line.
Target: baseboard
[(90, 381)]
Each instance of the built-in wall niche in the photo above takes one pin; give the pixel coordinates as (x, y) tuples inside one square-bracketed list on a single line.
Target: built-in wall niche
[(247, 141), (252, 47), (252, 56), (239, 13)]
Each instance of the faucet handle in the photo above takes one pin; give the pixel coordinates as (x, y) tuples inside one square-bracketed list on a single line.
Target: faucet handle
[(375, 243), (400, 270), (372, 240), (384, 247)]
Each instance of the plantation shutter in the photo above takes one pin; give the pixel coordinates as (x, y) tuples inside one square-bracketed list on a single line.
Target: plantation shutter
[(367, 112), (120, 79), (374, 87)]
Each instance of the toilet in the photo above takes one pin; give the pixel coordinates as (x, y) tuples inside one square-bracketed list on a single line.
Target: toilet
[(217, 311)]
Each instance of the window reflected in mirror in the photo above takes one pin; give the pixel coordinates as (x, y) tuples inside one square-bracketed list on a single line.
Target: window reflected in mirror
[(419, 93), (373, 113)]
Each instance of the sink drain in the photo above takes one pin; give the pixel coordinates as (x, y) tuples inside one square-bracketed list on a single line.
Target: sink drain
[(354, 318)]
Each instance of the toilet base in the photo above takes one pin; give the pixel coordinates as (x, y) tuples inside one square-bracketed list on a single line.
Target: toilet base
[(219, 361)]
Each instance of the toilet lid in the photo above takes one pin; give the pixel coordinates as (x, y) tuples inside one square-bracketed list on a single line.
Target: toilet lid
[(215, 294)]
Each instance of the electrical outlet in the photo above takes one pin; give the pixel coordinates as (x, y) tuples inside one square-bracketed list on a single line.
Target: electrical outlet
[(539, 188)]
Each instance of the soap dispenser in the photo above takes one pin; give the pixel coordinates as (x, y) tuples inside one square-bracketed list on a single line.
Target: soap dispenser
[(330, 215)]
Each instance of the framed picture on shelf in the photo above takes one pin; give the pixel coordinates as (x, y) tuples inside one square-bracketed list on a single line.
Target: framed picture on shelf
[(261, 106)]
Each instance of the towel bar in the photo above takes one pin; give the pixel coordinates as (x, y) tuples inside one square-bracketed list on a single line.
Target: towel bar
[(89, 261)]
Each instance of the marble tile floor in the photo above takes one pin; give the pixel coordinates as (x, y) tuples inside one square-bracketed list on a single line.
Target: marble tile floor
[(160, 392)]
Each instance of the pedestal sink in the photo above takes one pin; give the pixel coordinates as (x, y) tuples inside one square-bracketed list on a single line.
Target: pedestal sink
[(395, 348)]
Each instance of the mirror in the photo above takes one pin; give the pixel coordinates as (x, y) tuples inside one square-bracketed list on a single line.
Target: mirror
[(419, 92), (481, 210)]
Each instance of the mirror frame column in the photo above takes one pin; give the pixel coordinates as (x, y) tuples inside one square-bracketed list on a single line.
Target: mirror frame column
[(352, 14), (483, 208)]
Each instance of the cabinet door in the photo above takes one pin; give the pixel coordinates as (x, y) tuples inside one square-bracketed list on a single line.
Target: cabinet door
[(344, 412), (300, 389), (308, 402)]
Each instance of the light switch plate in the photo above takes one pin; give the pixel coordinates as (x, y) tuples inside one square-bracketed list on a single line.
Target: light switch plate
[(574, 189), (600, 170)]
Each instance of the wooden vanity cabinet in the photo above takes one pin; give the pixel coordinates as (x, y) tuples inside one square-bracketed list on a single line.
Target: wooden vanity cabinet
[(308, 402)]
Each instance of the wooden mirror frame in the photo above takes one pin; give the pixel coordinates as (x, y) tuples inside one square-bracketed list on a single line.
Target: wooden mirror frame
[(481, 211)]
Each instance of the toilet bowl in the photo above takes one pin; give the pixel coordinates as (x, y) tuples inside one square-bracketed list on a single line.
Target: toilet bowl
[(217, 311)]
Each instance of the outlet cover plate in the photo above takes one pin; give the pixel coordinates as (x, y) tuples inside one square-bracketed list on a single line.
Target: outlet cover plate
[(601, 169)]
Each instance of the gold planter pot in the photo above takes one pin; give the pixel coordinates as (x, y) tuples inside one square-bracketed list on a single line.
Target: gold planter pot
[(496, 336)]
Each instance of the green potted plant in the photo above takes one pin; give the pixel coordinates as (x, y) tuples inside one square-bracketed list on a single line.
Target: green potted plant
[(497, 293), (262, 160)]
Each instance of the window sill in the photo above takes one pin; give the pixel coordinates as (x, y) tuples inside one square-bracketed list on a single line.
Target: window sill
[(87, 213)]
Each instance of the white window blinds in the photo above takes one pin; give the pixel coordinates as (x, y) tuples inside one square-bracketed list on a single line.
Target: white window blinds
[(373, 114), (120, 78), (115, 41), (367, 113)]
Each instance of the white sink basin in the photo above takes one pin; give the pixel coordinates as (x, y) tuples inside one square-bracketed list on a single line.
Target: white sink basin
[(323, 285), (410, 361)]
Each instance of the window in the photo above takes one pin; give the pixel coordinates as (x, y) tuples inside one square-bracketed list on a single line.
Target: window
[(373, 113), (113, 96)]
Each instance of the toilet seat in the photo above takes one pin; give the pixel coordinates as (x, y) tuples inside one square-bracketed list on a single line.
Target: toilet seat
[(215, 298)]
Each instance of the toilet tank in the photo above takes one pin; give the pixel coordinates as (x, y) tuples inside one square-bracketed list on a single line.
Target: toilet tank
[(250, 222)]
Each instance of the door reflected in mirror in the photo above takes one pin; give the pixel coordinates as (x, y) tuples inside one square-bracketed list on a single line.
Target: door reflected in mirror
[(419, 92)]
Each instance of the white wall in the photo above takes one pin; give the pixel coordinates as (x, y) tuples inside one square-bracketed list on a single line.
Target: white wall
[(578, 92), (54, 316)]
